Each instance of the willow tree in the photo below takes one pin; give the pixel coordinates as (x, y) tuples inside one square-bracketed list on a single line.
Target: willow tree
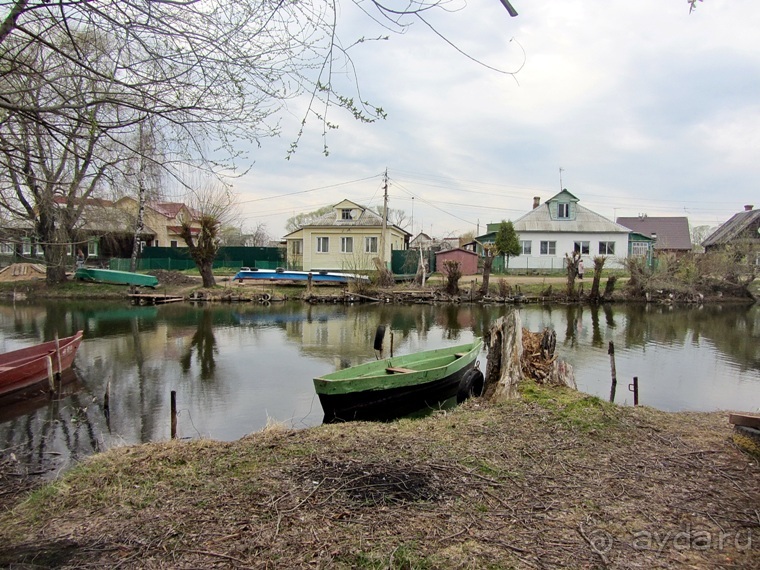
[(213, 207)]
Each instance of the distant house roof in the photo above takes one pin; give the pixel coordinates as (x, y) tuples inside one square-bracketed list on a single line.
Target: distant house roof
[(540, 219), (454, 250), (671, 233), (356, 216), (746, 221)]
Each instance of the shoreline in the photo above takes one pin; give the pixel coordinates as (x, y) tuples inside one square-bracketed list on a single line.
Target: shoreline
[(553, 478)]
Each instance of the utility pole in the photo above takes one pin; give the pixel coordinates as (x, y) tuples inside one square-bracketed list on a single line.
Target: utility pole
[(385, 218), (560, 179)]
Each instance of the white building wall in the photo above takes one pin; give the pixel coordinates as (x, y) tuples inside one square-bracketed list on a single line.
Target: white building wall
[(564, 245)]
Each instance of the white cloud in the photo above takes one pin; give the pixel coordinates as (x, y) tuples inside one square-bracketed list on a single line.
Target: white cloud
[(646, 107)]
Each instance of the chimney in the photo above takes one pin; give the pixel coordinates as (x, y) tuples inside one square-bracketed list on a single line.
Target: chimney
[(536, 201), (747, 208)]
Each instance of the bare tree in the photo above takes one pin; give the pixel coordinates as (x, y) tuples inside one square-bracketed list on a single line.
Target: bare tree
[(78, 77), (300, 220), (51, 167), (213, 207)]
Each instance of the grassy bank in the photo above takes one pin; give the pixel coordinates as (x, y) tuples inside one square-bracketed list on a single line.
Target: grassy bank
[(554, 479)]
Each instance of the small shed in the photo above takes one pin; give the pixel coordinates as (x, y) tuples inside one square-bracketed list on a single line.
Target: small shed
[(468, 260)]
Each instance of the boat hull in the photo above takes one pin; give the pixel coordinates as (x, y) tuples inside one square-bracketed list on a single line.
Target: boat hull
[(115, 277), (316, 276), (418, 381), (25, 368)]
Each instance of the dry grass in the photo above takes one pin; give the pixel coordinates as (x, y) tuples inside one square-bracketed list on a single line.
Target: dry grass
[(555, 479)]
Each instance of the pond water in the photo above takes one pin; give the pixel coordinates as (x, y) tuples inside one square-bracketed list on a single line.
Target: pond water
[(237, 367)]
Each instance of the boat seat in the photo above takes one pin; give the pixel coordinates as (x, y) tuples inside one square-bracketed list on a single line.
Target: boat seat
[(398, 370)]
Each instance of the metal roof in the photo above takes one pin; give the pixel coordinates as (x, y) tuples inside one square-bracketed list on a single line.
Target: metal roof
[(734, 227), (586, 221), (672, 232)]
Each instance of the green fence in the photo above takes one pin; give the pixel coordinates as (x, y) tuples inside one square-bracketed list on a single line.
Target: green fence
[(178, 259)]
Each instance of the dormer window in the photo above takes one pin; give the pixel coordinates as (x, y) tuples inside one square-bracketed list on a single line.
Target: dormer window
[(345, 214), (563, 210)]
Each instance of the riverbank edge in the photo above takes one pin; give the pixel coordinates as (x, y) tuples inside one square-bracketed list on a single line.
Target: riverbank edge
[(522, 290), (518, 484)]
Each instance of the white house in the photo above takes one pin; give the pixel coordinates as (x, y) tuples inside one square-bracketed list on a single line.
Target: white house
[(348, 238), (560, 226)]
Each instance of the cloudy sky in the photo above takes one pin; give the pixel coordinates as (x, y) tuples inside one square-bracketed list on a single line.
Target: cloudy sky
[(643, 106)]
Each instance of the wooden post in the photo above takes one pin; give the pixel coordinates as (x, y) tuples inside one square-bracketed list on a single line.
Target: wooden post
[(174, 414), (635, 389), (58, 357), (391, 344), (308, 284), (107, 399), (613, 371)]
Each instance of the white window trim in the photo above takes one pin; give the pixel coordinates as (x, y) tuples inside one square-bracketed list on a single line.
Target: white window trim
[(346, 241), (326, 244), (550, 244), (368, 242)]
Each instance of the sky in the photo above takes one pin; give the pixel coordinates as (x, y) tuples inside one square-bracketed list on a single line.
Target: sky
[(636, 107)]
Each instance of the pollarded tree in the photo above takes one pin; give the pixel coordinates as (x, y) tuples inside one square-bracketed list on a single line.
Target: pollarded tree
[(213, 207)]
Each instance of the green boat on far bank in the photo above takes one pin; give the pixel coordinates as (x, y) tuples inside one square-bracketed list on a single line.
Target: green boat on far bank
[(115, 277)]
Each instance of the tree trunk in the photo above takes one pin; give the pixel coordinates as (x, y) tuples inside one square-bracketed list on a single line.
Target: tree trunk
[(207, 273), (55, 261), (572, 271), (487, 264), (598, 266)]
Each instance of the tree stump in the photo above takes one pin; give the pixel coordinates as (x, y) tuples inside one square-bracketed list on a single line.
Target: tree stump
[(504, 369)]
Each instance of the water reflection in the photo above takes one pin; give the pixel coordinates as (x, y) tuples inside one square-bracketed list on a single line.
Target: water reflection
[(236, 367)]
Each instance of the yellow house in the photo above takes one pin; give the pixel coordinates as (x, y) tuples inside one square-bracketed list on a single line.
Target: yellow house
[(348, 238), (165, 219)]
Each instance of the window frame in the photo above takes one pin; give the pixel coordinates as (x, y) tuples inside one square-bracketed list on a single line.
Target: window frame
[(548, 247), (323, 244), (297, 248), (368, 242), (346, 241), (526, 247), (609, 247), (563, 210), (582, 247)]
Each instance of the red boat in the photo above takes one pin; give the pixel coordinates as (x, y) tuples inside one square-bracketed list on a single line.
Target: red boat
[(27, 367)]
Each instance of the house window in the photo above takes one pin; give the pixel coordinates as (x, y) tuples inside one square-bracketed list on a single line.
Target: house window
[(606, 248), (638, 248), (173, 243), (26, 246), (582, 247), (563, 210), (370, 245), (323, 244), (6, 248), (345, 215), (346, 245), (297, 248), (92, 247), (525, 247), (548, 248)]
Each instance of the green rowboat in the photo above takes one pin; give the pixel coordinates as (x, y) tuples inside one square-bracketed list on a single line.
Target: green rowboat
[(115, 277), (398, 386)]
